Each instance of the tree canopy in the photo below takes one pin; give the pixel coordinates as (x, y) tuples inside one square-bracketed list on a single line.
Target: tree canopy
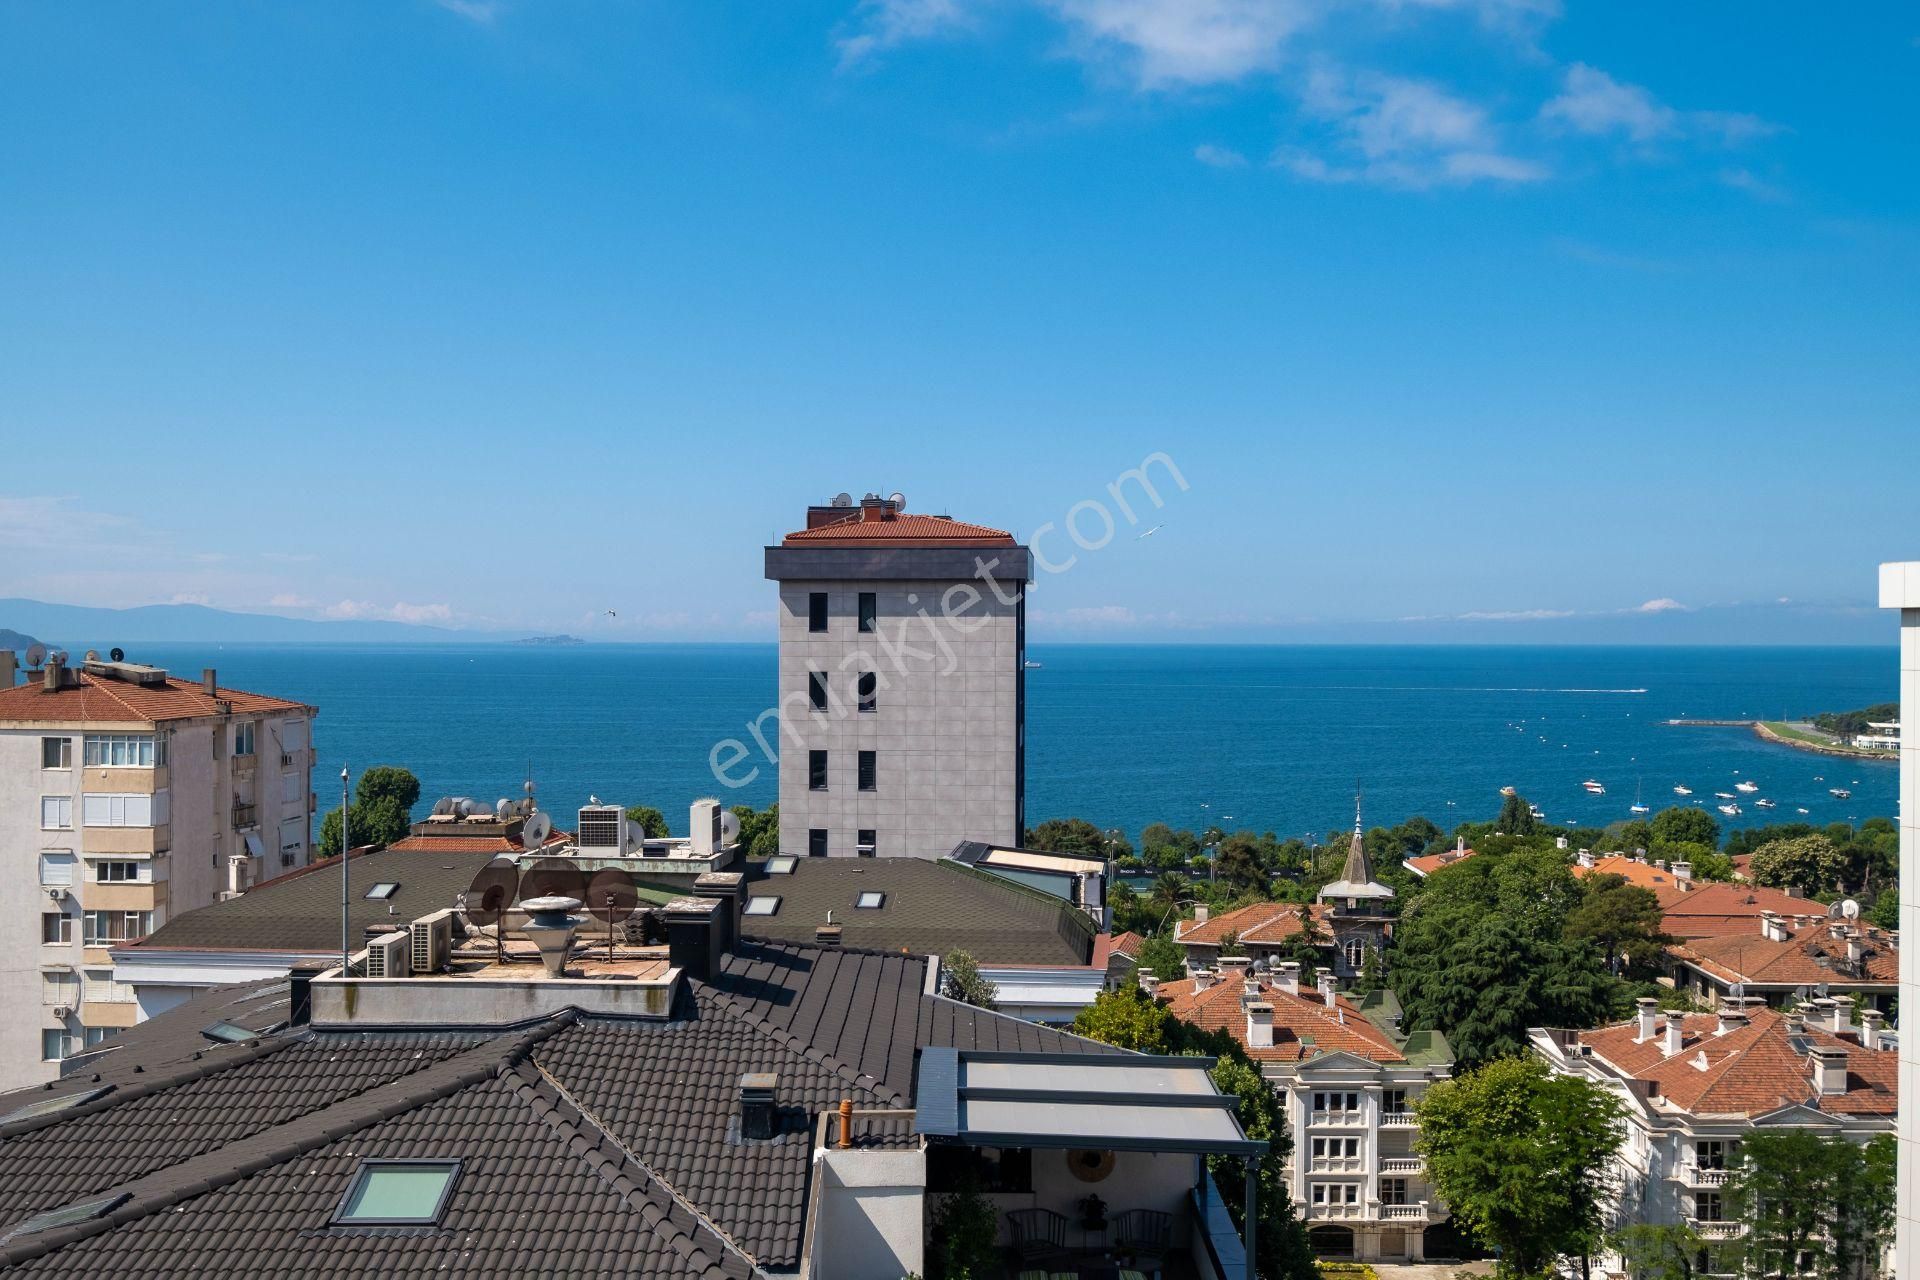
[(1814, 1206), (1812, 864), (1076, 835), (1522, 1157), (1684, 823), (965, 983), (382, 812), (652, 822), (1623, 920)]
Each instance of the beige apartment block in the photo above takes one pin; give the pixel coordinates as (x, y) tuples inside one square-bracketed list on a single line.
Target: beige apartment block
[(902, 683), (127, 797)]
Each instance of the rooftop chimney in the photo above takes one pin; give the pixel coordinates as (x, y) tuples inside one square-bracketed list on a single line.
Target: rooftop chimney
[(1842, 1014), (1584, 857), (693, 935), (1829, 1070), (8, 665), (1794, 1021), (50, 674), (1646, 1008), (1856, 951), (1772, 927), (1683, 871), (1326, 991), (208, 683), (1733, 1016), (1290, 977), (827, 935), (1200, 913), (550, 926), (1202, 978), (1676, 1035), (1870, 1023), (729, 888), (758, 1112), (1232, 965), (1260, 1025), (1150, 984)]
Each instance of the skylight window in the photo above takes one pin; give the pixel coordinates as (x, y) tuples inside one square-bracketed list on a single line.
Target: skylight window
[(762, 906), (781, 866), (871, 900), (224, 1032), (382, 891), (398, 1193), (51, 1106), (67, 1215)]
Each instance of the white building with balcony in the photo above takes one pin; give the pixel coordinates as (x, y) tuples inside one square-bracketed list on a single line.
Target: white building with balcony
[(127, 797), (1695, 1085), (1347, 1079)]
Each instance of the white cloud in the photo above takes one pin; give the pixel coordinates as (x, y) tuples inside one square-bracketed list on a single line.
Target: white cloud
[(480, 11), (418, 613), (1400, 132), (1512, 615), (1665, 604), (288, 600), (397, 612), (1219, 157), (190, 597), (1592, 102), (1171, 43), (1752, 184), (886, 23)]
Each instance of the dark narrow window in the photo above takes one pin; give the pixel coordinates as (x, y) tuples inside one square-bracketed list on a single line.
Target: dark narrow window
[(817, 689), (869, 770), (869, 610), (869, 684), (864, 843), (817, 842), (816, 611), (816, 771)]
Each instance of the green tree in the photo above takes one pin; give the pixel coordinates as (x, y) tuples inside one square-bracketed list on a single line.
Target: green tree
[(1666, 1251), (759, 830), (960, 1237), (1814, 1206), (1130, 1019), (383, 801), (1705, 863), (1885, 911), (1522, 1157), (1516, 816), (1623, 920), (1164, 958), (1372, 975), (1685, 824), (964, 982), (1625, 836), (1482, 955), (1073, 835), (652, 822), (1237, 865), (1281, 1250), (387, 781), (1811, 863)]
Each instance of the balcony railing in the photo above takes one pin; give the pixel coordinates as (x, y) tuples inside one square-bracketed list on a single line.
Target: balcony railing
[(1695, 1176), (1398, 1120), (1336, 1164), (1400, 1164), (1335, 1212), (1336, 1117), (245, 815), (1715, 1230), (1404, 1212)]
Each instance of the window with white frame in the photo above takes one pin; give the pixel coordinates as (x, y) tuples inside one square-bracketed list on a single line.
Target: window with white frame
[(56, 929), (56, 867), (290, 788), (125, 750), (100, 988), (1394, 1102), (119, 809), (56, 813), (1336, 1102), (56, 753), (122, 871), (96, 1036), (293, 836), (1393, 1191), (58, 988), (56, 1044), (103, 928), (243, 735)]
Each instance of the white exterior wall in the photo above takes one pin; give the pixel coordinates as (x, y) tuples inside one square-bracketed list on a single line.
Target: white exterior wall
[(871, 1222), (1900, 589), (186, 859), (945, 729)]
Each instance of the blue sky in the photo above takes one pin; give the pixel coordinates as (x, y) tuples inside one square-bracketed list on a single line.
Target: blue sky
[(1506, 316)]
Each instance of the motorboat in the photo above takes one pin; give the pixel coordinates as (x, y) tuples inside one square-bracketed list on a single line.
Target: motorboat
[(1683, 791), (1840, 793), (1724, 795), (1763, 803), (1746, 785), (1594, 788), (1731, 810)]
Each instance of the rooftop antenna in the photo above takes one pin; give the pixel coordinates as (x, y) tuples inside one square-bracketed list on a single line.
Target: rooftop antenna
[(346, 947)]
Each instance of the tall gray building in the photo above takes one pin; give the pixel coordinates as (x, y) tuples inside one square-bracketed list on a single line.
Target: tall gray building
[(902, 682)]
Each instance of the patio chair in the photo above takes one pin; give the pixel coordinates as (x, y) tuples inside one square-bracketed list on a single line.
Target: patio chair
[(1038, 1234), (1145, 1234)]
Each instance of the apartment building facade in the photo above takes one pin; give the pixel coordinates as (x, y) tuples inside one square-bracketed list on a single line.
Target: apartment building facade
[(127, 796), (1693, 1086), (1347, 1079), (902, 682)]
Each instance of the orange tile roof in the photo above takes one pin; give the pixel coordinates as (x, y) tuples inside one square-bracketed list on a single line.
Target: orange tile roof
[(902, 530), (1748, 1071), (98, 700), (1428, 863), (1664, 884), (1259, 922), (1128, 943), (471, 844), (1809, 956), (1303, 1026), (1721, 907)]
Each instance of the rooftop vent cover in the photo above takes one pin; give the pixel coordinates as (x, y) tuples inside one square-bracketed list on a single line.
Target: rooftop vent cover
[(602, 828)]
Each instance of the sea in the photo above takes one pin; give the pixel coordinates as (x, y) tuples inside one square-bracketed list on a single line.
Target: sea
[(1269, 738)]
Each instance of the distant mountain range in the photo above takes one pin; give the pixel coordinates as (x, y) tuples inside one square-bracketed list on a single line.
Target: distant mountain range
[(15, 641), (78, 627)]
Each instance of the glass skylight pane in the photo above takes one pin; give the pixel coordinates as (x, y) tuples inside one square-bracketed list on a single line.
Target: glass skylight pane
[(870, 899), (382, 891), (399, 1191), (781, 866), (762, 906), (67, 1215), (47, 1106)]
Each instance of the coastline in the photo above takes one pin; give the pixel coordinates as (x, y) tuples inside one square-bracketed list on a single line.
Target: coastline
[(1765, 731)]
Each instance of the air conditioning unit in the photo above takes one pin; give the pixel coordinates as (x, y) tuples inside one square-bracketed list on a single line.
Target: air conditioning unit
[(602, 830), (704, 825), (63, 1011), (432, 941), (387, 956), (58, 893)]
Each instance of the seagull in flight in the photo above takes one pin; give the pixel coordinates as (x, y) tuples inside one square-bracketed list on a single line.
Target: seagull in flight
[(612, 614), (1149, 533)]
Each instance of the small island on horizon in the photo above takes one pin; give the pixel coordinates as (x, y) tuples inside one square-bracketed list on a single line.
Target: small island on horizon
[(550, 640)]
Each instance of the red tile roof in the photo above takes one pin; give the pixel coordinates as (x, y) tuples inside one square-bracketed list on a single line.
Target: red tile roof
[(1128, 943), (1809, 956), (1260, 922), (1665, 885), (98, 700), (1303, 1025), (1724, 907), (1751, 1070), (470, 844), (1428, 863), (900, 530)]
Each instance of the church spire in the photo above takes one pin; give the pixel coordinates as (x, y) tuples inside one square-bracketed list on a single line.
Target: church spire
[(1356, 880)]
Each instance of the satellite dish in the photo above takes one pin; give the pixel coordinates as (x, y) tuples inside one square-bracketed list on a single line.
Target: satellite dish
[(92, 655), (611, 898), (59, 656), (118, 655), (1737, 990), (1850, 909), (36, 654), (443, 807), (535, 833), (898, 499), (554, 878), (729, 826), (843, 499), (489, 897)]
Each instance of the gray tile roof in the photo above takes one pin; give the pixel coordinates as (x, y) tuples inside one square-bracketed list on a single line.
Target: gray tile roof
[(589, 1146), (931, 907), (300, 911)]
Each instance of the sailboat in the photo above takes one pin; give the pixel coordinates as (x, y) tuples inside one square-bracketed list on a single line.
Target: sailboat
[(1637, 806)]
